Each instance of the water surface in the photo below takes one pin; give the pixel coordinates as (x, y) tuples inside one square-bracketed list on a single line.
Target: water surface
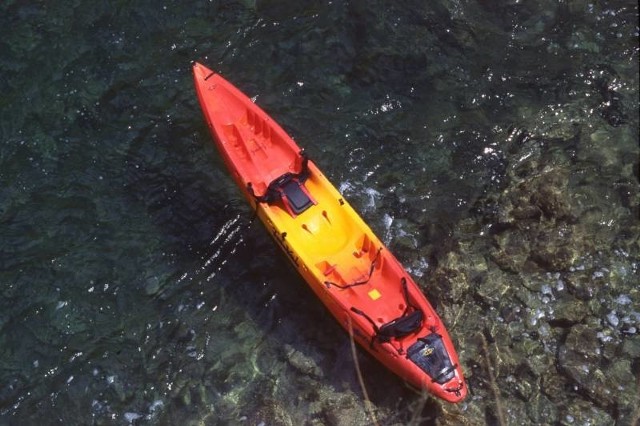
[(493, 147)]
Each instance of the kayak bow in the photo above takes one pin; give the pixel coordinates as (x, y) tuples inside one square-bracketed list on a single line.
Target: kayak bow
[(361, 283)]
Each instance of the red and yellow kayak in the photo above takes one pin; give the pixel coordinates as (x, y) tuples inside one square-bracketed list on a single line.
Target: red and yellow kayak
[(361, 283)]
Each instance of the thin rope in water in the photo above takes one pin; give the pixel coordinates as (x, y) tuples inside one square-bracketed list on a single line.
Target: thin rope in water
[(367, 401)]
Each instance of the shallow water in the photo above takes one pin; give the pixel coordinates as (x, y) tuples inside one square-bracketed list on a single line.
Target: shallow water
[(494, 148)]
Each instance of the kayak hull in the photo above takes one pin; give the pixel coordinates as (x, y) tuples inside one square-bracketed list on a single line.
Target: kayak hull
[(344, 263)]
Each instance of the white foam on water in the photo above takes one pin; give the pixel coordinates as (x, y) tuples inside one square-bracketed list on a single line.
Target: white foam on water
[(613, 319), (623, 299), (130, 417)]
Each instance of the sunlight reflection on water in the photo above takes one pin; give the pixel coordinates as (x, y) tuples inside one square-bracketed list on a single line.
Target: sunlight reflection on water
[(490, 145)]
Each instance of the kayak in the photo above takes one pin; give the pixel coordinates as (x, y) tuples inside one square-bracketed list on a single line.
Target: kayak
[(348, 268)]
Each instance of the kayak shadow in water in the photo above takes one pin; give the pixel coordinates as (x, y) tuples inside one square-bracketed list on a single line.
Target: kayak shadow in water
[(229, 296)]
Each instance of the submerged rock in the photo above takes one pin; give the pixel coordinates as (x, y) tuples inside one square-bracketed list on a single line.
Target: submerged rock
[(345, 410), (582, 412), (550, 288), (302, 363), (580, 354), (568, 312), (609, 382), (631, 346), (271, 412)]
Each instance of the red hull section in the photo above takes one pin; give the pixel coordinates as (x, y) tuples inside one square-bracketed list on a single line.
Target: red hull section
[(255, 147)]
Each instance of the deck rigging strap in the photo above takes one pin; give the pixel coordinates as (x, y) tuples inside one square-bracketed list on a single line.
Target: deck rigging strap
[(357, 283)]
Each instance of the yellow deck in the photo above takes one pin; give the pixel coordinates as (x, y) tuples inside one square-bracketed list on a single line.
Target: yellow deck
[(330, 242)]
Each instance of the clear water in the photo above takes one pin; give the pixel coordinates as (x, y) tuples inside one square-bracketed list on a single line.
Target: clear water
[(493, 147)]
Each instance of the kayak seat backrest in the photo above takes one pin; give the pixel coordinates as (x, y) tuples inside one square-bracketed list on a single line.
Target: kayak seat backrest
[(409, 322), (402, 326), (294, 195), (289, 188), (397, 328)]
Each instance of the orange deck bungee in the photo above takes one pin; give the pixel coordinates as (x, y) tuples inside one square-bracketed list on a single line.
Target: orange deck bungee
[(361, 283)]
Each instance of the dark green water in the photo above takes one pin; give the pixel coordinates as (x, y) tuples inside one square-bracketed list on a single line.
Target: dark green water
[(494, 147)]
